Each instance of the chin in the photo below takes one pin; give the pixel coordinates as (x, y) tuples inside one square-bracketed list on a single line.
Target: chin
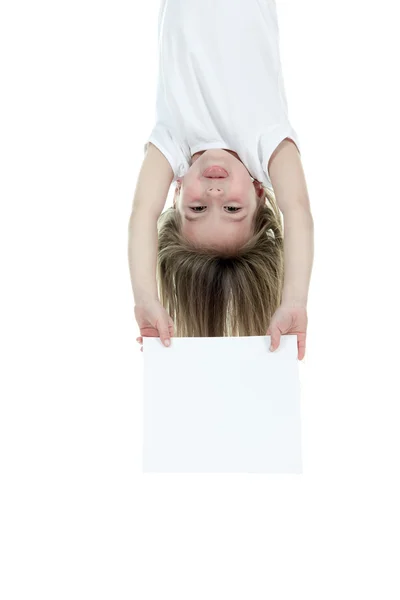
[(219, 154), (222, 152)]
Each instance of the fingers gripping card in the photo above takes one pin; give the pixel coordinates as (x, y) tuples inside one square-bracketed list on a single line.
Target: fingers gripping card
[(221, 404)]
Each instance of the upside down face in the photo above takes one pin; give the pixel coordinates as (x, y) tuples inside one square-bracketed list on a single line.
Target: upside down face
[(217, 199)]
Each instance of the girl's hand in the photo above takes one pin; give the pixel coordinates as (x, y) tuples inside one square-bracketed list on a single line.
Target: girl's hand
[(140, 341), (290, 320), (153, 321)]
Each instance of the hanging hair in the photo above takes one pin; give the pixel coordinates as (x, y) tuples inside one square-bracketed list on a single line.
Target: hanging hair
[(212, 292)]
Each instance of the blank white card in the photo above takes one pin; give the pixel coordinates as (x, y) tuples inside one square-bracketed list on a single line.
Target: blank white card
[(221, 404)]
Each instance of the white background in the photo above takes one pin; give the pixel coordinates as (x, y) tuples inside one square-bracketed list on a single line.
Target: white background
[(78, 518)]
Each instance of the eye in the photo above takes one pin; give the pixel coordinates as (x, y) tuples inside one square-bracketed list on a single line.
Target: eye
[(194, 208)]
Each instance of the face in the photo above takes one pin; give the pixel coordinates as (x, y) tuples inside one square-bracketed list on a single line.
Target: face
[(217, 199)]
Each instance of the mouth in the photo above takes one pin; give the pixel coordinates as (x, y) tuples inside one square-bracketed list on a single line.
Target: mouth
[(216, 173)]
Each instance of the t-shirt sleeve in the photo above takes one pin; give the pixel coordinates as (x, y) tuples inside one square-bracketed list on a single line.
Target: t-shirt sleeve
[(274, 116), (166, 142), (270, 141)]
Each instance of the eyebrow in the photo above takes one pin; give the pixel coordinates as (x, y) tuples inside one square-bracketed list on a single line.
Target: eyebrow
[(231, 219)]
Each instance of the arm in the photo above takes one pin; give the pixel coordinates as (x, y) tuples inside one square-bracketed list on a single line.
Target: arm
[(151, 192), (288, 180)]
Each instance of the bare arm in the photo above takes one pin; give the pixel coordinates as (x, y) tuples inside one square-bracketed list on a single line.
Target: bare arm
[(151, 192), (288, 180)]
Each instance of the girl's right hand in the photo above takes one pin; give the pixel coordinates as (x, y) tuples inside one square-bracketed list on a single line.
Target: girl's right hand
[(153, 321)]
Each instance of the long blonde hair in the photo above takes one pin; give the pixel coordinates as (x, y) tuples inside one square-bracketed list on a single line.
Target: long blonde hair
[(212, 292)]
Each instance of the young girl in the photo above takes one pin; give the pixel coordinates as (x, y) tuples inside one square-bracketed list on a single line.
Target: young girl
[(216, 263)]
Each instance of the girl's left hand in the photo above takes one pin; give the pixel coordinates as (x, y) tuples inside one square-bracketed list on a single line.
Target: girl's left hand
[(290, 320)]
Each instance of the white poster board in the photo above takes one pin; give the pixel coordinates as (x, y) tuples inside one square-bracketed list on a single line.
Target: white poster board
[(221, 404)]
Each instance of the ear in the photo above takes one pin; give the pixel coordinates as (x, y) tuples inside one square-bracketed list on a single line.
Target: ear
[(258, 186), (177, 190)]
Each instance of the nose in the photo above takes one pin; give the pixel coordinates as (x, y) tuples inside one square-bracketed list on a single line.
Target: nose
[(213, 190)]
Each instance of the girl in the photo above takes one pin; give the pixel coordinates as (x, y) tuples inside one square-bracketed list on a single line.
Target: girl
[(216, 263)]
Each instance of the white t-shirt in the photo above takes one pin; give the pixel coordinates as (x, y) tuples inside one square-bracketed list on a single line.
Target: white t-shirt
[(220, 83)]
